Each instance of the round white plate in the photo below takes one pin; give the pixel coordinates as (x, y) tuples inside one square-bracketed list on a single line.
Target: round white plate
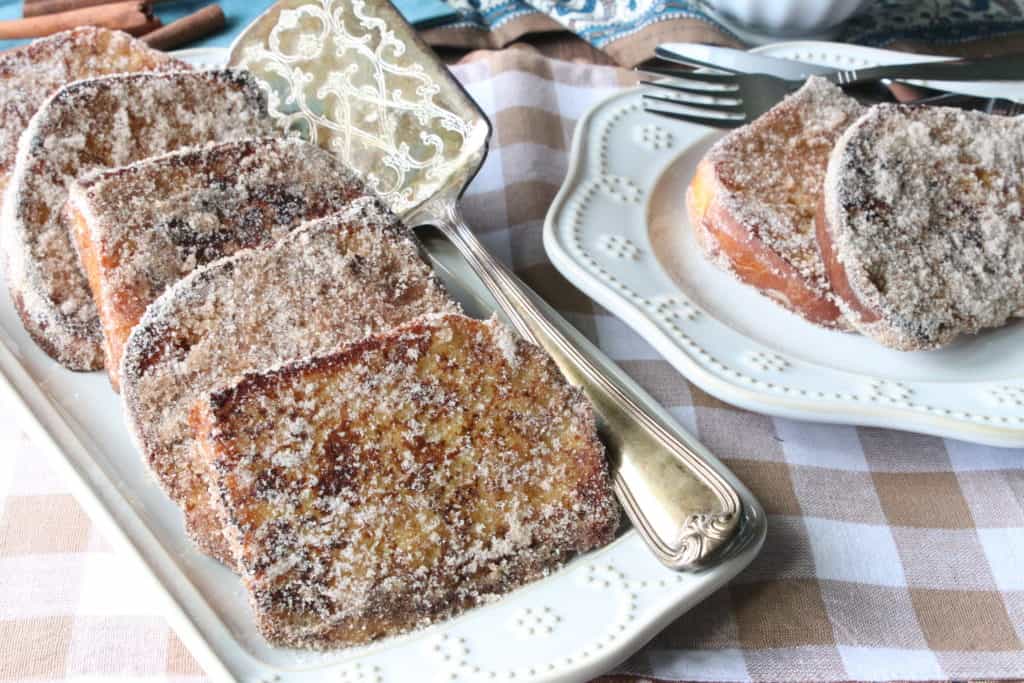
[(618, 230)]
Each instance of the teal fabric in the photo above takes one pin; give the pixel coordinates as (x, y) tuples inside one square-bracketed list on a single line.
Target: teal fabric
[(240, 12), (883, 22), (426, 13)]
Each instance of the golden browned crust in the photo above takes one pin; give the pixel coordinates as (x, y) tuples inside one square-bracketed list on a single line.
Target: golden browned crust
[(410, 476), (327, 283), (753, 199), (100, 123), (30, 74), (140, 228)]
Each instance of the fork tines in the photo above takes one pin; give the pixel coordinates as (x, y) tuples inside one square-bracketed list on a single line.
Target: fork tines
[(702, 97), (701, 81), (704, 117)]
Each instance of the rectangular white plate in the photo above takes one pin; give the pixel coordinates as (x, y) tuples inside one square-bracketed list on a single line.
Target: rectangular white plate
[(618, 230), (571, 626)]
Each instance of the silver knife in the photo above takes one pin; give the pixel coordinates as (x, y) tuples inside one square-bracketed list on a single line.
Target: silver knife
[(729, 59), (740, 61)]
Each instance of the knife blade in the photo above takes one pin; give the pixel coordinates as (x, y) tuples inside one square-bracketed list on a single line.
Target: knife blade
[(739, 61)]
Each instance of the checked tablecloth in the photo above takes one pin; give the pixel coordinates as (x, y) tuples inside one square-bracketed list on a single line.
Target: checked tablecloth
[(889, 555)]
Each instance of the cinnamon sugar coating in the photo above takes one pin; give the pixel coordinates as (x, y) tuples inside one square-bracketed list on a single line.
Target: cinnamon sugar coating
[(923, 209), (325, 284), (409, 476), (30, 74), (140, 228), (102, 123), (760, 185)]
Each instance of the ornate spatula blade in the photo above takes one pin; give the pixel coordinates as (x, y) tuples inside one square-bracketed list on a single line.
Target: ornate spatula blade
[(344, 74)]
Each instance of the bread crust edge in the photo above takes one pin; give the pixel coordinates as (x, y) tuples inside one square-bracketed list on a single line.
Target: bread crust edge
[(721, 237)]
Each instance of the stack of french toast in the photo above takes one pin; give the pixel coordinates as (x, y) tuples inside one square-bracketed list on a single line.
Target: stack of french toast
[(365, 456), (903, 223)]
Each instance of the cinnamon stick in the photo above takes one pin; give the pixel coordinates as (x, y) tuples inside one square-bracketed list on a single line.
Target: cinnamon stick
[(35, 8), (132, 17), (199, 24)]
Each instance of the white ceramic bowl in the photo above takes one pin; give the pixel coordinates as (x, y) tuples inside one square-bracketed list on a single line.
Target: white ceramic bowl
[(786, 18)]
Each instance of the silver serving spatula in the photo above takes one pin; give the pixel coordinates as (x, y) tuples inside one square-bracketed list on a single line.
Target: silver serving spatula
[(353, 76)]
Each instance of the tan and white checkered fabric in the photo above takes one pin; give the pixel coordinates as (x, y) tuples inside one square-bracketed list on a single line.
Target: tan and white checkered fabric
[(889, 555)]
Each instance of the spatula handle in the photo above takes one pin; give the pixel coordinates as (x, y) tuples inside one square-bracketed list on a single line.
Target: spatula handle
[(678, 503)]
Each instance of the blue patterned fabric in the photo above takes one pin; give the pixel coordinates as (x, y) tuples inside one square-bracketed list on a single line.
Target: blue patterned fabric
[(601, 22), (941, 21), (486, 14)]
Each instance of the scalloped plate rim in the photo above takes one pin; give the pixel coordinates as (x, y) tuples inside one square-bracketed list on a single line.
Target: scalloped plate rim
[(758, 400)]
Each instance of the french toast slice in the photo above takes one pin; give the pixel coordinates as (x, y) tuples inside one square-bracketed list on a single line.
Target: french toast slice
[(102, 123), (412, 475), (921, 223), (140, 228), (32, 73), (331, 281), (753, 199)]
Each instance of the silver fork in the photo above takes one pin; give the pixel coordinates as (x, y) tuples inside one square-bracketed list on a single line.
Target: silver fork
[(728, 100)]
